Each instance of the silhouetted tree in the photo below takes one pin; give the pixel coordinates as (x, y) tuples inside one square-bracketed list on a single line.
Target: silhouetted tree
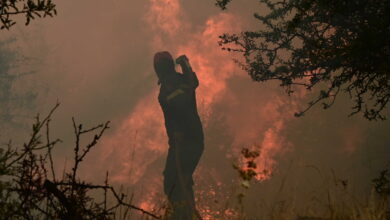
[(29, 8), (30, 188), (336, 45)]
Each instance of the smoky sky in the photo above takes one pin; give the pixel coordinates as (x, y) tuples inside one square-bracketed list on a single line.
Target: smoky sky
[(95, 58)]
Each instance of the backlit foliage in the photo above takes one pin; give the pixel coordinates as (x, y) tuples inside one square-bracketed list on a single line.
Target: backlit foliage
[(334, 45), (29, 8)]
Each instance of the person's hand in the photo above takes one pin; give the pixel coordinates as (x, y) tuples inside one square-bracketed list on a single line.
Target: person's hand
[(184, 63), (182, 59)]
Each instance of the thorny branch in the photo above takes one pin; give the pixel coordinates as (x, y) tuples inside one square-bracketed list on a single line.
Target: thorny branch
[(78, 130), (31, 146), (38, 197)]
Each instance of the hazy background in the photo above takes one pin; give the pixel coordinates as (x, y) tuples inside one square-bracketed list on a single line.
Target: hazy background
[(95, 58)]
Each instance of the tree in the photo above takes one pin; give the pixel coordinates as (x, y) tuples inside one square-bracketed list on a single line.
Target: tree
[(335, 45), (29, 8), (31, 189)]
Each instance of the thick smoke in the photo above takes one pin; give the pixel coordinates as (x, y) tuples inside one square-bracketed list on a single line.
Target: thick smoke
[(96, 59), (134, 154)]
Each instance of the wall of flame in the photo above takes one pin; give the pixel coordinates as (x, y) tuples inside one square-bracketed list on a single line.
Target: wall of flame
[(96, 59), (135, 152)]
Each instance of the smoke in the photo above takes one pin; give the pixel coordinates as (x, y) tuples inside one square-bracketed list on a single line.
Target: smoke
[(134, 153), (96, 59)]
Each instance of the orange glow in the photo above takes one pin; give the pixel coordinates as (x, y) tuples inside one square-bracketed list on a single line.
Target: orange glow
[(146, 119), (164, 15), (136, 143), (140, 140)]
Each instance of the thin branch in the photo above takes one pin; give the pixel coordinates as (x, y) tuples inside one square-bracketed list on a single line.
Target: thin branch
[(119, 198), (36, 129)]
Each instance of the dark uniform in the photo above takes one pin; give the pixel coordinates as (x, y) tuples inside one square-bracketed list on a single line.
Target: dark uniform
[(185, 133)]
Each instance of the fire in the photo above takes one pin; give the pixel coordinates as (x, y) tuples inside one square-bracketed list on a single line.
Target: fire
[(140, 141)]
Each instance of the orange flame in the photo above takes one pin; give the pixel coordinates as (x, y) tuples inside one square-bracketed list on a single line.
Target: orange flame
[(248, 120)]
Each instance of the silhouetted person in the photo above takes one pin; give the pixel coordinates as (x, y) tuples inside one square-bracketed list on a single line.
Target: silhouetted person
[(184, 130)]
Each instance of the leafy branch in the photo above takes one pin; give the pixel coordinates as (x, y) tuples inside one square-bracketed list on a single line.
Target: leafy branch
[(29, 8), (337, 46)]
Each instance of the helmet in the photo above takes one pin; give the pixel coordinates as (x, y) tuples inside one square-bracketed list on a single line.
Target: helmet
[(163, 65)]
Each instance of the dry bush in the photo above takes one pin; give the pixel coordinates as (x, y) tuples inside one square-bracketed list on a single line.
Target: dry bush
[(30, 188), (334, 200)]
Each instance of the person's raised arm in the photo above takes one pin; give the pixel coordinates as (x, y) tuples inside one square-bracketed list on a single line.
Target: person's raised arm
[(187, 71)]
